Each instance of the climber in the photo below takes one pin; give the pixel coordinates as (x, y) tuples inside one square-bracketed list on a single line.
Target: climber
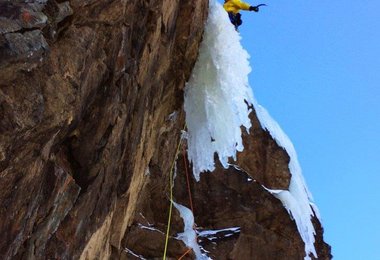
[(234, 6)]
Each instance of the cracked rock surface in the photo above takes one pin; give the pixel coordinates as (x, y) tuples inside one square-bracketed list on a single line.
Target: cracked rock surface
[(26, 26), (86, 88)]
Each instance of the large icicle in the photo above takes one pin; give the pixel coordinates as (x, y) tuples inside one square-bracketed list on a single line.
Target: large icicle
[(215, 111), (215, 94)]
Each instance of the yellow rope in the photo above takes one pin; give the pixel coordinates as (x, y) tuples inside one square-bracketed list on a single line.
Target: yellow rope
[(171, 198)]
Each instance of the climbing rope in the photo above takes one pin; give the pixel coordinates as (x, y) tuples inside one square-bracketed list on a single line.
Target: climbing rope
[(189, 192), (171, 185), (182, 256), (188, 180)]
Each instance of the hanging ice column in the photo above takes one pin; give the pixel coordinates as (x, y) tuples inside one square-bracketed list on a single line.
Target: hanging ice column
[(215, 111), (215, 94)]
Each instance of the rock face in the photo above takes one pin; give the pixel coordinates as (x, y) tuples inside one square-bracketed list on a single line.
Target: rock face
[(91, 108), (235, 197)]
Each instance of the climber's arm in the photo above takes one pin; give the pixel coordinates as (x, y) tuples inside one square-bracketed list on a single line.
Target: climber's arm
[(242, 5)]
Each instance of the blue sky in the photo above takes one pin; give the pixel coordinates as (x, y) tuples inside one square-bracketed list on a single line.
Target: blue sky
[(316, 68)]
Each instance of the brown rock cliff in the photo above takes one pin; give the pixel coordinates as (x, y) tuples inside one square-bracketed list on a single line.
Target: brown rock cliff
[(91, 108)]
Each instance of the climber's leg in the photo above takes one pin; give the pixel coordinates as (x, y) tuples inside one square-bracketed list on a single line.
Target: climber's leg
[(235, 19), (231, 15), (238, 20)]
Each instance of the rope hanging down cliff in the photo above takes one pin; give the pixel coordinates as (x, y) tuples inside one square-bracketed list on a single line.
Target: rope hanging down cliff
[(189, 193), (171, 186)]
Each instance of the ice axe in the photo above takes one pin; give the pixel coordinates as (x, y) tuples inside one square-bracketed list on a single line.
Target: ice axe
[(256, 8)]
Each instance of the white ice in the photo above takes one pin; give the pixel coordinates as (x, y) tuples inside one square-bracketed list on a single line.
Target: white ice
[(189, 237), (215, 111), (297, 200), (214, 232), (150, 228), (215, 94), (134, 254)]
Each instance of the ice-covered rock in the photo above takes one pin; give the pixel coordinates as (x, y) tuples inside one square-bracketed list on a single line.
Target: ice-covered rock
[(216, 98)]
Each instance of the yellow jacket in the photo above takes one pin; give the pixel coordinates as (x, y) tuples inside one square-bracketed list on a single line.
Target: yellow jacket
[(235, 6)]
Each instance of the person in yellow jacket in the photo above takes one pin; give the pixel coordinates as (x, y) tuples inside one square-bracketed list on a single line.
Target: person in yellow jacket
[(233, 8)]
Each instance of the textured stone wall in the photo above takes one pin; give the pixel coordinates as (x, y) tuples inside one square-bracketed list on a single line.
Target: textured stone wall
[(86, 90)]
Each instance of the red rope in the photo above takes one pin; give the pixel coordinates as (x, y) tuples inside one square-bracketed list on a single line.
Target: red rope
[(189, 192), (188, 180), (188, 251)]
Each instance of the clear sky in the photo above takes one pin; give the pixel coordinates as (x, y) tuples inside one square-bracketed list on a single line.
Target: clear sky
[(316, 68)]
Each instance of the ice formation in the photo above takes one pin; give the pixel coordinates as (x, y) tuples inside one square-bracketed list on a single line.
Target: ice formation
[(297, 200), (215, 94), (134, 254), (212, 235), (189, 237), (150, 228), (206, 233), (215, 111)]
